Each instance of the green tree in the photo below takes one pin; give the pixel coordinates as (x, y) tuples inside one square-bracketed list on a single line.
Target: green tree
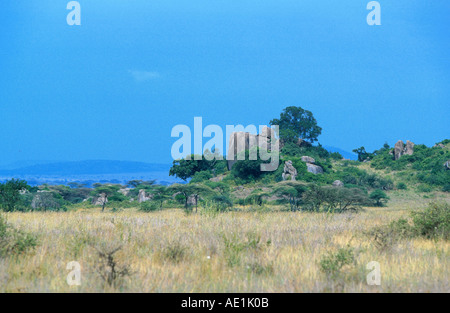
[(247, 169), (291, 191), (379, 196), (189, 190), (137, 183), (109, 191), (258, 196), (159, 194), (362, 154), (186, 168), (10, 194), (296, 122)]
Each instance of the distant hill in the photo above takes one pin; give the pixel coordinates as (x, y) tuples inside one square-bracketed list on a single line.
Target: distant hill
[(89, 172), (345, 154), (91, 167)]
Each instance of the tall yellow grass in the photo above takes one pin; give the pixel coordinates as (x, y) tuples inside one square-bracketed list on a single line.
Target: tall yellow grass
[(286, 259)]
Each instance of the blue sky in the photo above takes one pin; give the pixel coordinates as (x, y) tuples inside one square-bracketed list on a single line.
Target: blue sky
[(114, 87)]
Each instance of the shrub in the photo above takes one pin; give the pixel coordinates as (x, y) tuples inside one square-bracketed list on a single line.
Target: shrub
[(149, 206), (332, 264), (433, 222), (424, 188), (401, 186), (222, 202), (379, 197), (235, 246), (201, 177), (108, 268), (14, 242), (174, 252), (248, 170), (446, 188)]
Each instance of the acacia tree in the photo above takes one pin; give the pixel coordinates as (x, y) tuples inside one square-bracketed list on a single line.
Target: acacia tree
[(257, 196), (291, 191), (191, 190), (296, 122), (105, 192), (159, 194), (379, 197), (10, 194), (362, 154)]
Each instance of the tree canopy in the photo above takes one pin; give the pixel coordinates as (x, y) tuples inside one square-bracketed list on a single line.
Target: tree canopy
[(295, 123)]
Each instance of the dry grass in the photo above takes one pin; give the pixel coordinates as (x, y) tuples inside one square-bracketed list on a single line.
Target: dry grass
[(170, 251)]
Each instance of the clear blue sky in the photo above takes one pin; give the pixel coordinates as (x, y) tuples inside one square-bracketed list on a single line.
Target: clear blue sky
[(114, 87)]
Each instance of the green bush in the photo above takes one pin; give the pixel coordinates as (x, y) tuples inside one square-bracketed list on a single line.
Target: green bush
[(402, 186), (446, 188), (201, 177), (332, 264), (149, 206), (424, 188), (433, 222), (14, 242), (379, 197)]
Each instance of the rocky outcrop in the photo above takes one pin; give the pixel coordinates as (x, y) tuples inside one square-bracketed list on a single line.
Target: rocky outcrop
[(289, 171), (447, 165), (142, 197), (125, 191), (192, 200), (101, 199), (308, 159), (311, 167), (241, 141), (338, 183), (439, 145), (315, 169), (400, 149)]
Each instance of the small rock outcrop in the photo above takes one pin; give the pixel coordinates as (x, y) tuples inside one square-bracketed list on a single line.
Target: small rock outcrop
[(125, 191), (315, 169), (311, 167), (192, 200), (241, 141), (290, 171), (338, 183), (308, 159), (439, 145), (401, 149), (447, 165), (142, 197), (101, 199)]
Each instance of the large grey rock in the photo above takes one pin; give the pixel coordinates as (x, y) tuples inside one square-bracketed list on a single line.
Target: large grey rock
[(241, 141), (447, 165), (142, 197), (125, 191), (400, 149), (289, 172), (338, 183), (409, 148), (101, 199), (315, 169), (308, 159), (192, 200)]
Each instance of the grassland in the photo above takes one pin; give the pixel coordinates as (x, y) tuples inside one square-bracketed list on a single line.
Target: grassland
[(171, 251)]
